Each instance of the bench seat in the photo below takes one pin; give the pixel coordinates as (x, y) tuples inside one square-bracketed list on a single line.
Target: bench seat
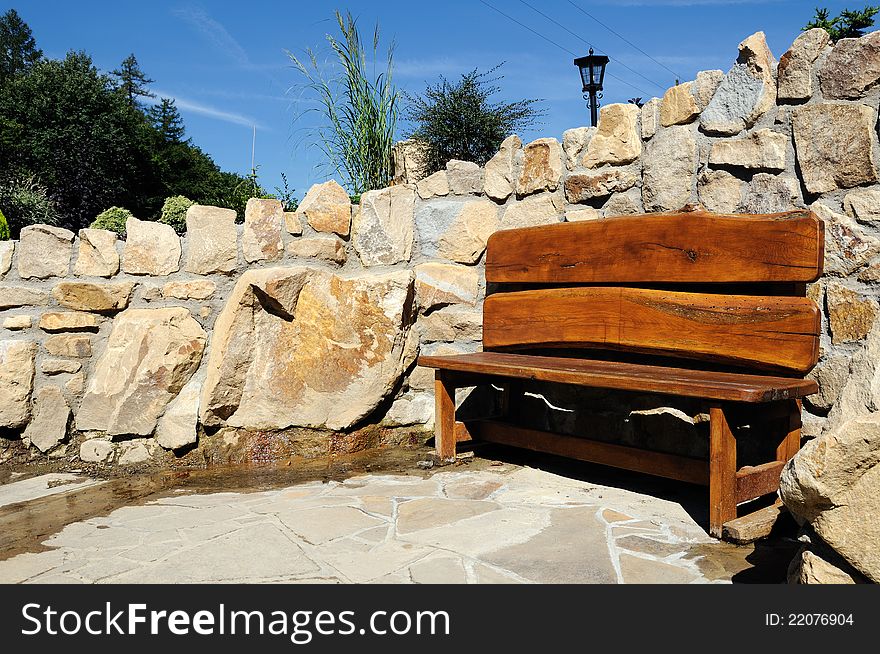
[(724, 386)]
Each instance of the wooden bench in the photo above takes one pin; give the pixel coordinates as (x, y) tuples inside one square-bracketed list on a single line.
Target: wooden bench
[(694, 304)]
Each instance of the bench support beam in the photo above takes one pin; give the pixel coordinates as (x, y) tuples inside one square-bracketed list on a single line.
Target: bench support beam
[(444, 415), (722, 471)]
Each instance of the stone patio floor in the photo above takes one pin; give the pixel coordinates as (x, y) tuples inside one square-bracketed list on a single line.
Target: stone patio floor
[(505, 524)]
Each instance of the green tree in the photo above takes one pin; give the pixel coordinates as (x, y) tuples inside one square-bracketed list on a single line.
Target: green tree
[(458, 120), (132, 81), (18, 50), (847, 25), (167, 121), (359, 109), (79, 136)]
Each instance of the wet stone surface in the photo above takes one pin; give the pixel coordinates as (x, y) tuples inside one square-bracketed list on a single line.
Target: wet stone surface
[(481, 522)]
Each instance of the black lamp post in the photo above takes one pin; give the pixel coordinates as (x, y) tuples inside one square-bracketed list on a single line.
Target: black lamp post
[(592, 68)]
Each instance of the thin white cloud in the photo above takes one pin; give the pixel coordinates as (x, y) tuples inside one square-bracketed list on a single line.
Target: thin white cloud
[(212, 30), (185, 105)]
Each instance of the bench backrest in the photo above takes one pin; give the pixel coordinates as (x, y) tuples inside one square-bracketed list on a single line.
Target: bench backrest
[(724, 289)]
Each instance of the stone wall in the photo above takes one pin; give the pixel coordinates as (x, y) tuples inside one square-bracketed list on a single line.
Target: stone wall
[(303, 328)]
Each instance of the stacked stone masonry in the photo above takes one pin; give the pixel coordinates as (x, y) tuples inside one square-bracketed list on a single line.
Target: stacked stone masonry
[(117, 350)]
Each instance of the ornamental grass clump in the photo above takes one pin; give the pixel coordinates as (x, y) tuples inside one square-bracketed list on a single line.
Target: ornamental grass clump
[(359, 109)]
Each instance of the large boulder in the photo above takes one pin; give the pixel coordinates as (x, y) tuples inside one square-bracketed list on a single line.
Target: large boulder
[(763, 149), (616, 141), (261, 238), (835, 145), (301, 347), (382, 233), (679, 106), (16, 382), (833, 483), (456, 229), (848, 247), (852, 68), (12, 297), (541, 168), (87, 296), (7, 249), (746, 93), (795, 70), (327, 208), (48, 427), (44, 251), (97, 255), (669, 162), (150, 355), (213, 240), (151, 248), (500, 174), (177, 426), (600, 183)]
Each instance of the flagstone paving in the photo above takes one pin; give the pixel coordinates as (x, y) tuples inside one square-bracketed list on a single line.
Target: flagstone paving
[(508, 524)]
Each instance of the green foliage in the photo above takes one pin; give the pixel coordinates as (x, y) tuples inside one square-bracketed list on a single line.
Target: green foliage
[(458, 120), (82, 139), (174, 212), (90, 142), (167, 121), (24, 201), (132, 81), (18, 50), (847, 25), (4, 228), (285, 194), (113, 219), (359, 109)]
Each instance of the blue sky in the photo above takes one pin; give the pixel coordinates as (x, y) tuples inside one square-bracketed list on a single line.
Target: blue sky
[(225, 62)]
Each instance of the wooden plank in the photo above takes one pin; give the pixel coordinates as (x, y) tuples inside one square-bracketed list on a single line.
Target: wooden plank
[(773, 333), (462, 432), (627, 376), (660, 464), (755, 525), (658, 248), (755, 481), (792, 441), (722, 472), (444, 416)]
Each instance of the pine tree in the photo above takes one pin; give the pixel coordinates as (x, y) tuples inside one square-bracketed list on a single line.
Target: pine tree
[(167, 121), (132, 81), (18, 50), (848, 25)]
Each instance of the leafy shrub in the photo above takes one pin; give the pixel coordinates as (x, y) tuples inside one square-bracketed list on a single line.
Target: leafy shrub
[(24, 201), (113, 219), (4, 228), (459, 120), (174, 212)]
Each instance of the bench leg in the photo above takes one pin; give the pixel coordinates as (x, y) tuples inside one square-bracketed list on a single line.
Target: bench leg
[(722, 471), (444, 415), (792, 441)]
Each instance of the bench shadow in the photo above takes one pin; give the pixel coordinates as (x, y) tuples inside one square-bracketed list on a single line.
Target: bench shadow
[(691, 497), (765, 561)]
